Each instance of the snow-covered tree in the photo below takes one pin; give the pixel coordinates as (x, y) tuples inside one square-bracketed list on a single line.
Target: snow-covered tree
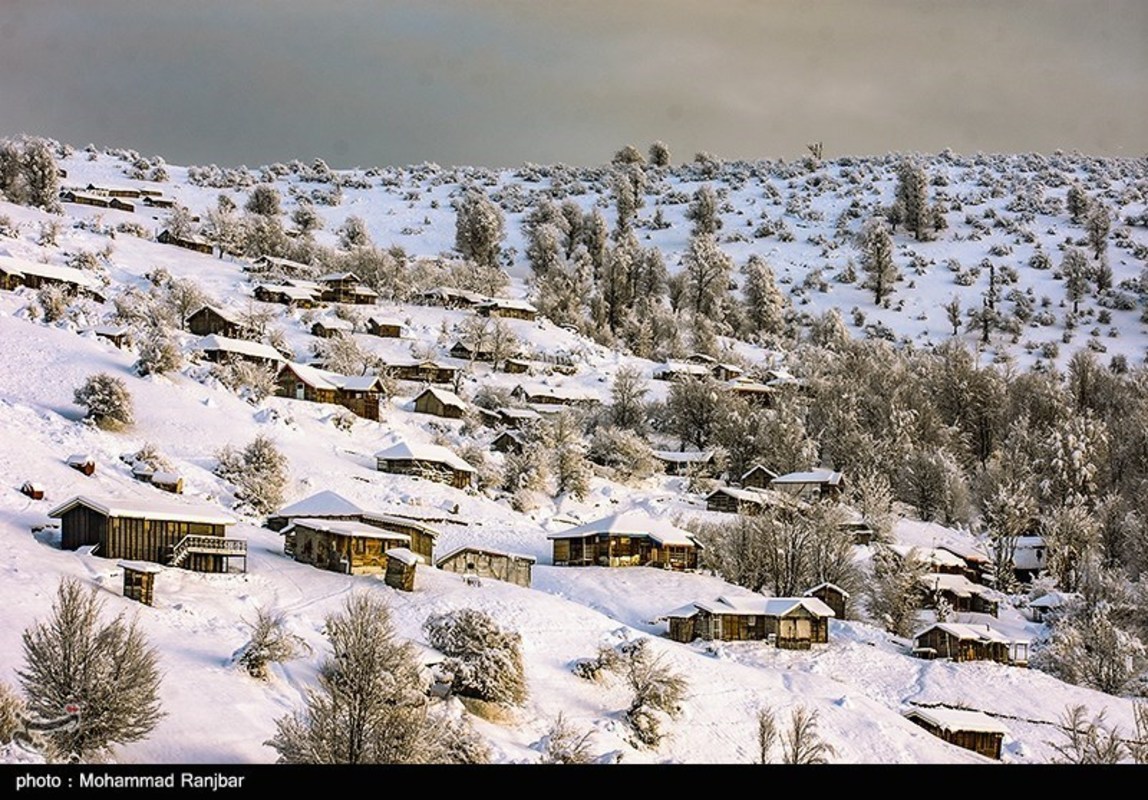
[(703, 211), (264, 201), (623, 451), (801, 742), (894, 591), (707, 270), (159, 353), (107, 399), (259, 472), (479, 228), (562, 438), (627, 399), (483, 658), (1098, 225), (353, 233), (659, 154), (270, 643), (107, 669), (877, 259), (1074, 267), (765, 305)]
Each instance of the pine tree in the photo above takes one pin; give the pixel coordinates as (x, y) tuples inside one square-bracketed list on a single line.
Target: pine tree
[(1098, 225), (703, 211), (912, 194)]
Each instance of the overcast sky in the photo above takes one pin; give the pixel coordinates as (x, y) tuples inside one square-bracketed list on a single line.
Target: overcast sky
[(503, 82)]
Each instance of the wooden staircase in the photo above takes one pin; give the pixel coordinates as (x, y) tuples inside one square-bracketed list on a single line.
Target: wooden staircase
[(208, 545)]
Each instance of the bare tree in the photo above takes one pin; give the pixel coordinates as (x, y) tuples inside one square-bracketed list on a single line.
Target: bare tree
[(564, 744), (106, 669), (801, 743), (766, 734), (1087, 741), (270, 643)]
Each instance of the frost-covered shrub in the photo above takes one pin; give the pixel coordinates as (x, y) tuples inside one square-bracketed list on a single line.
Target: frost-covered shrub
[(259, 472), (107, 399), (159, 353), (484, 659), (270, 643)]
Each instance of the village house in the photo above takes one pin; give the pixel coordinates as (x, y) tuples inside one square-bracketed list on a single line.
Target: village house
[(676, 462), (428, 461), (440, 403), (961, 594), (82, 462), (1048, 604), (626, 540), (121, 205), (212, 319), (935, 559), (422, 371), (756, 477), (508, 442), (477, 563), (32, 490), (159, 202), (552, 396), (449, 297), (281, 266), (286, 294), (332, 327), (186, 535), (961, 642), (356, 393), (978, 566), (726, 372), (818, 484), (401, 568), (221, 350), (17, 272), (794, 623), (1030, 558), (113, 191), (84, 199), (518, 418), (515, 366), (385, 328), (466, 353), (195, 243), (972, 730), (329, 505), (346, 287), (833, 596), (118, 335), (757, 394), (350, 547), (730, 500), (506, 307), (676, 370)]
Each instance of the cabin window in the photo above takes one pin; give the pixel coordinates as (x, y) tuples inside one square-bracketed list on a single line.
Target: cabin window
[(360, 545)]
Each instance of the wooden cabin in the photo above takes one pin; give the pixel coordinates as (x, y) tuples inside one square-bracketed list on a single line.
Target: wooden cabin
[(82, 462), (121, 205), (139, 581), (158, 202), (287, 295), (17, 272), (831, 595), (114, 191), (935, 559), (505, 307), (221, 350), (961, 594), (119, 336), (550, 396), (756, 477), (183, 535), (757, 394), (449, 297), (726, 372), (428, 461), (346, 287), (212, 320), (729, 500), (350, 547), (1048, 604), (466, 353), (328, 505), (386, 328), (84, 199), (357, 393), (518, 418), (978, 566), (330, 328), (440, 403), (33, 491), (673, 371), (284, 266), (479, 562), (515, 366), (818, 484), (963, 643), (508, 442), (401, 566), (167, 482), (1030, 558), (972, 730), (425, 371), (793, 623), (626, 540), (188, 243), (683, 463)]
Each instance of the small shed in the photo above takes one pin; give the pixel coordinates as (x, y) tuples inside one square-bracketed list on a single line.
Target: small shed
[(831, 595), (118, 335), (515, 366), (330, 328), (972, 730), (210, 319), (386, 328), (139, 580), (347, 546), (167, 481), (683, 623), (757, 477), (481, 562), (508, 442), (440, 403), (32, 490), (83, 463), (676, 462), (401, 564), (963, 643)]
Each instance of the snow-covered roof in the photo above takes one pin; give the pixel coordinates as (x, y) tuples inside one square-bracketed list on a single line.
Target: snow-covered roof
[(980, 633), (815, 476), (630, 524), (406, 556), (321, 504), (110, 330), (417, 451), (958, 719), (21, 266), (930, 555), (488, 551), (757, 468), (240, 346), (293, 292), (506, 302), (285, 263), (689, 457), (140, 566), (444, 397), (681, 368), (146, 509), (335, 324), (163, 477), (393, 519), (215, 310), (682, 612), (827, 585), (79, 459), (518, 413), (311, 376), (765, 606), (1053, 599), (355, 383), (343, 527), (955, 584), (338, 276), (385, 322)]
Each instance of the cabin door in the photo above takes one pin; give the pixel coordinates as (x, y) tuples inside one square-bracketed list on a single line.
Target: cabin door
[(300, 391)]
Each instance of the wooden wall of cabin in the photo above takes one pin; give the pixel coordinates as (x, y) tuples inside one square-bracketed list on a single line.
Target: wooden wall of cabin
[(81, 526), (421, 541), (682, 629), (152, 540), (490, 565), (362, 404)]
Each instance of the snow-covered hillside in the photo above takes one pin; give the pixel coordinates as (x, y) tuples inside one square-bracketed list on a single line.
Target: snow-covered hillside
[(1001, 208)]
